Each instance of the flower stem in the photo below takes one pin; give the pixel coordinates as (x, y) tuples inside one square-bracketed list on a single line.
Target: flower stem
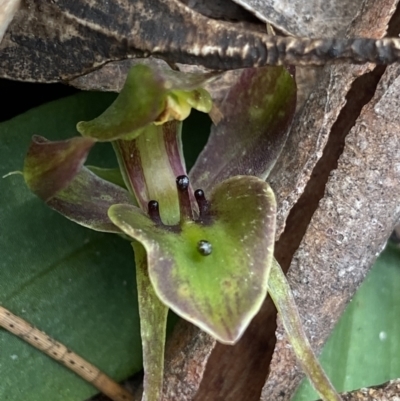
[(153, 323), (280, 292)]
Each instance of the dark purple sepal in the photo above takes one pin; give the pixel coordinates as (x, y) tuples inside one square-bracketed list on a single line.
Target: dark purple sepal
[(51, 166), (254, 121)]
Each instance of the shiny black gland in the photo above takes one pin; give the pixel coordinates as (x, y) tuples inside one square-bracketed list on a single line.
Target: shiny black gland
[(204, 247)]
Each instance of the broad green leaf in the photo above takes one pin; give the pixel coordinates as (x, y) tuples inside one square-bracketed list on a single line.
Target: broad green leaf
[(255, 118), (149, 95), (364, 348), (73, 283), (195, 133), (220, 292), (112, 175)]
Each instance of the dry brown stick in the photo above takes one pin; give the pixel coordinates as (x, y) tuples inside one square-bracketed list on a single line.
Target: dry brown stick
[(62, 354)]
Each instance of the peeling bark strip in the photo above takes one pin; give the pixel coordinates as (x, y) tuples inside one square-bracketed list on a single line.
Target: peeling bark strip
[(62, 354), (187, 37), (64, 39), (347, 232)]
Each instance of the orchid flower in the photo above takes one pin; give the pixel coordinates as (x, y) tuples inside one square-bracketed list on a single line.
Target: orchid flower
[(203, 245)]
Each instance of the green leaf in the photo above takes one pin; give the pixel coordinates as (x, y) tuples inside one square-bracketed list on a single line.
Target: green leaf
[(195, 132), (255, 118), (364, 348), (112, 175), (76, 284), (149, 95), (221, 292)]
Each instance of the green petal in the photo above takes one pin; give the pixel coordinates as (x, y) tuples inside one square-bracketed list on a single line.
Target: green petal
[(180, 103), (51, 166), (54, 172), (255, 118), (148, 96), (223, 291), (140, 102), (87, 199)]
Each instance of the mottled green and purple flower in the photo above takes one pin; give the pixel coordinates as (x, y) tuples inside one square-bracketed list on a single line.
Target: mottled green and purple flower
[(223, 291), (203, 245)]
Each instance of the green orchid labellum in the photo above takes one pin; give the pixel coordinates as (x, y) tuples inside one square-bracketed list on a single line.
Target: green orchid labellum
[(211, 270)]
